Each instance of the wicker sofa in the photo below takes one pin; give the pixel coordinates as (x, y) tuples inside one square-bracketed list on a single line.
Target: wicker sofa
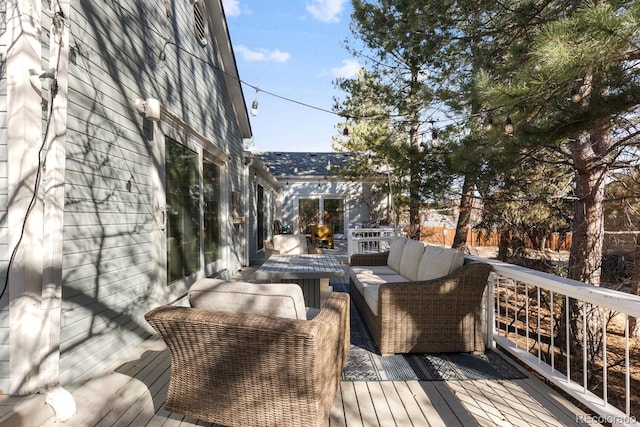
[(420, 299), (248, 365)]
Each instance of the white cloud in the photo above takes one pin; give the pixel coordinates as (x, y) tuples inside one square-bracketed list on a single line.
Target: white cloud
[(349, 69), (262, 54), (326, 10), (231, 7)]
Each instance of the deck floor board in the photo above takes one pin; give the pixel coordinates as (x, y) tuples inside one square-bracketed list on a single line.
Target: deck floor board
[(132, 394)]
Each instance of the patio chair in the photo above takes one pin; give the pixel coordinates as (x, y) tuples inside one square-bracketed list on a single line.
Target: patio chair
[(247, 366), (322, 234), (289, 244)]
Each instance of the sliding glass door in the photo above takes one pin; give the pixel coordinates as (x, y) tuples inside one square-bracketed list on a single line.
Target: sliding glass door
[(211, 232), (333, 215), (193, 211), (183, 210)]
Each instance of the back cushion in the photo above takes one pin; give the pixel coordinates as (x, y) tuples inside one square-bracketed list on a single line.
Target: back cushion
[(411, 257), (395, 253), (438, 261), (266, 299), (290, 244)]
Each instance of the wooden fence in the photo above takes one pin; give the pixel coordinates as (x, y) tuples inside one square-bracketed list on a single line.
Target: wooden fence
[(443, 235)]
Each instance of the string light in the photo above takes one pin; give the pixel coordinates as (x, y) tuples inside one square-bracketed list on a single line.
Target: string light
[(489, 125), (508, 126), (254, 104), (435, 142), (162, 58), (575, 95)]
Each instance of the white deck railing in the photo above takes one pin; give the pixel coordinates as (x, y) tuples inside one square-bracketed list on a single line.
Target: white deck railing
[(369, 240), (519, 303)]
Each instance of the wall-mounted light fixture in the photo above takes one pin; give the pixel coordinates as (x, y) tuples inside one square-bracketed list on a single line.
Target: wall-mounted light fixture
[(37, 76), (43, 74), (150, 107)]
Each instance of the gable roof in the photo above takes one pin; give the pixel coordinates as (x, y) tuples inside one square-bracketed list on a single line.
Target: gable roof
[(303, 165), (222, 39)]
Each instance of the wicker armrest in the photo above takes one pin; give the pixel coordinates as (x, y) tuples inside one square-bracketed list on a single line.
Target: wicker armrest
[(435, 315), (240, 369), (369, 259)]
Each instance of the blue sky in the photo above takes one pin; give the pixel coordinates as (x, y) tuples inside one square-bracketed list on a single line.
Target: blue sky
[(292, 48)]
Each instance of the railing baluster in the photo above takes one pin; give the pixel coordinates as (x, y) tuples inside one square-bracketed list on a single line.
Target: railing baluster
[(627, 376), (584, 346), (605, 370), (526, 313), (552, 349), (568, 335), (515, 312), (539, 326)]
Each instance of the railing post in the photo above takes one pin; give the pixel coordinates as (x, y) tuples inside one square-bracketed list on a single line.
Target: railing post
[(489, 309)]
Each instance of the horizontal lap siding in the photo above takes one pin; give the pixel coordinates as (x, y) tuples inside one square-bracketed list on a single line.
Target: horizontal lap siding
[(4, 243), (108, 267)]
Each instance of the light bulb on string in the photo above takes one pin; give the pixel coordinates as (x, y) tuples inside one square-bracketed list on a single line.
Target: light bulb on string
[(489, 125), (508, 126), (576, 96), (254, 104), (435, 142)]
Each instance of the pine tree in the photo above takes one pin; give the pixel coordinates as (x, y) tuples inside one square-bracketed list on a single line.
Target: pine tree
[(573, 86)]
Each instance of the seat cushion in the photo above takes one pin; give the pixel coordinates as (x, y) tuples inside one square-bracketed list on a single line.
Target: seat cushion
[(379, 270), (266, 299), (371, 297), (438, 262), (411, 256), (395, 253), (290, 244)]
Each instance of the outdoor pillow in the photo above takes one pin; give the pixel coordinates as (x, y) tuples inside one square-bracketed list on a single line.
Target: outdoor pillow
[(266, 299), (395, 252), (438, 262), (411, 256)]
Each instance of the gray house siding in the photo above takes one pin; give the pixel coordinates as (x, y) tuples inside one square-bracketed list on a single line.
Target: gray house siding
[(108, 263), (4, 256)]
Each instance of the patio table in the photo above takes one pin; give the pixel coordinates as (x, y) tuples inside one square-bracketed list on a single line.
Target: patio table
[(311, 271)]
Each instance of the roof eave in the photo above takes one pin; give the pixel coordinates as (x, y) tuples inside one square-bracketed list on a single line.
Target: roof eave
[(227, 58)]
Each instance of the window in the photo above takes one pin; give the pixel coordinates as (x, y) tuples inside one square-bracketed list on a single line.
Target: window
[(260, 216), (200, 21), (309, 213), (333, 214), (211, 192)]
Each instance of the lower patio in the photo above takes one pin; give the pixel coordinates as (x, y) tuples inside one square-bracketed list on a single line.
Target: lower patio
[(132, 393)]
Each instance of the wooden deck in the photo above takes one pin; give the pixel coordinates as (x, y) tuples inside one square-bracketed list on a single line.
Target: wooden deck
[(132, 394)]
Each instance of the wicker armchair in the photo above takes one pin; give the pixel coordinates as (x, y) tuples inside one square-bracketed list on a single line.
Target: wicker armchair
[(438, 315), (240, 369)]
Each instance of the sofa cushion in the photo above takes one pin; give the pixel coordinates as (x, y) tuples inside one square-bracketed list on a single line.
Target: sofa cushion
[(266, 299), (379, 270), (411, 256), (290, 244), (438, 262), (395, 252)]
